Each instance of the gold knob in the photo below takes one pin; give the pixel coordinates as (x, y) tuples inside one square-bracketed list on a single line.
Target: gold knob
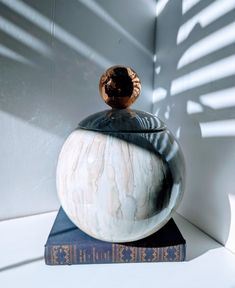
[(119, 86)]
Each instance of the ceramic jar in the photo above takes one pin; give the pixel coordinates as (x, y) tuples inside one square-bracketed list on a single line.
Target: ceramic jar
[(120, 174)]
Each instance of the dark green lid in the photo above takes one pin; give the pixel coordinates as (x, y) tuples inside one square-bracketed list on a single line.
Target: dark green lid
[(122, 120)]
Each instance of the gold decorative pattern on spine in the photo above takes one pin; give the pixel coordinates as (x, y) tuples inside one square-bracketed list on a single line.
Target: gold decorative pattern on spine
[(143, 254), (113, 253), (155, 254), (58, 250), (74, 254), (93, 255)]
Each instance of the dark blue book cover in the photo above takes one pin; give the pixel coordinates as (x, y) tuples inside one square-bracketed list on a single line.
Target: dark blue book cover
[(67, 245)]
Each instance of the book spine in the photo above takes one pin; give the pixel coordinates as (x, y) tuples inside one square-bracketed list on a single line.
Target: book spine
[(111, 253)]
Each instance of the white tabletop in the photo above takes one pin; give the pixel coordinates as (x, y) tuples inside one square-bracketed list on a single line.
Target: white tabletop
[(22, 241)]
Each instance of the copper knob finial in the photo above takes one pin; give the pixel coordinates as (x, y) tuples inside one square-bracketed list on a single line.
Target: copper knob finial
[(119, 86)]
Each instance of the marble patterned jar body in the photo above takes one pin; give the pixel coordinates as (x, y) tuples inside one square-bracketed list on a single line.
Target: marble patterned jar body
[(120, 175)]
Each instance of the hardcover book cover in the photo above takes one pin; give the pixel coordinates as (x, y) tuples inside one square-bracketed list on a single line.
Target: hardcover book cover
[(68, 245)]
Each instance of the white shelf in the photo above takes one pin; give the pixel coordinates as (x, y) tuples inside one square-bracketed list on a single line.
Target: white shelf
[(22, 240)]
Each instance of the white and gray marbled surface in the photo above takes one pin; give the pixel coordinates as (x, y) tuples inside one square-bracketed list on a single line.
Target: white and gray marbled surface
[(113, 189)]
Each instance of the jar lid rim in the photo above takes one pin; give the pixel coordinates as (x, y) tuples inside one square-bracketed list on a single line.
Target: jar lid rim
[(122, 121)]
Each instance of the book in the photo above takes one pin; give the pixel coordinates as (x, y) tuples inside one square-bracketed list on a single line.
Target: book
[(68, 245)]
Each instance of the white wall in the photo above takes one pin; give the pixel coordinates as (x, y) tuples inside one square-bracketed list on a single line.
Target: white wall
[(195, 95), (52, 53)]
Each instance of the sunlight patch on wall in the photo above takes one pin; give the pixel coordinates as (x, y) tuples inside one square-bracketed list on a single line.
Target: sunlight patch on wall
[(158, 70), (8, 53), (159, 94), (24, 37), (208, 45), (155, 58), (205, 17), (17, 125), (193, 107), (223, 128), (177, 133), (58, 32), (167, 113), (161, 4), (157, 112), (105, 16), (219, 99), (29, 13), (188, 4), (81, 47), (207, 74)]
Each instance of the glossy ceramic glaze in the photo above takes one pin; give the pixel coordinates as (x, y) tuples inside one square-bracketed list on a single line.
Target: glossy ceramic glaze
[(120, 175), (119, 86)]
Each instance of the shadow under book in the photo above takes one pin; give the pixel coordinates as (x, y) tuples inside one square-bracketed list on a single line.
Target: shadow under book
[(68, 245)]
